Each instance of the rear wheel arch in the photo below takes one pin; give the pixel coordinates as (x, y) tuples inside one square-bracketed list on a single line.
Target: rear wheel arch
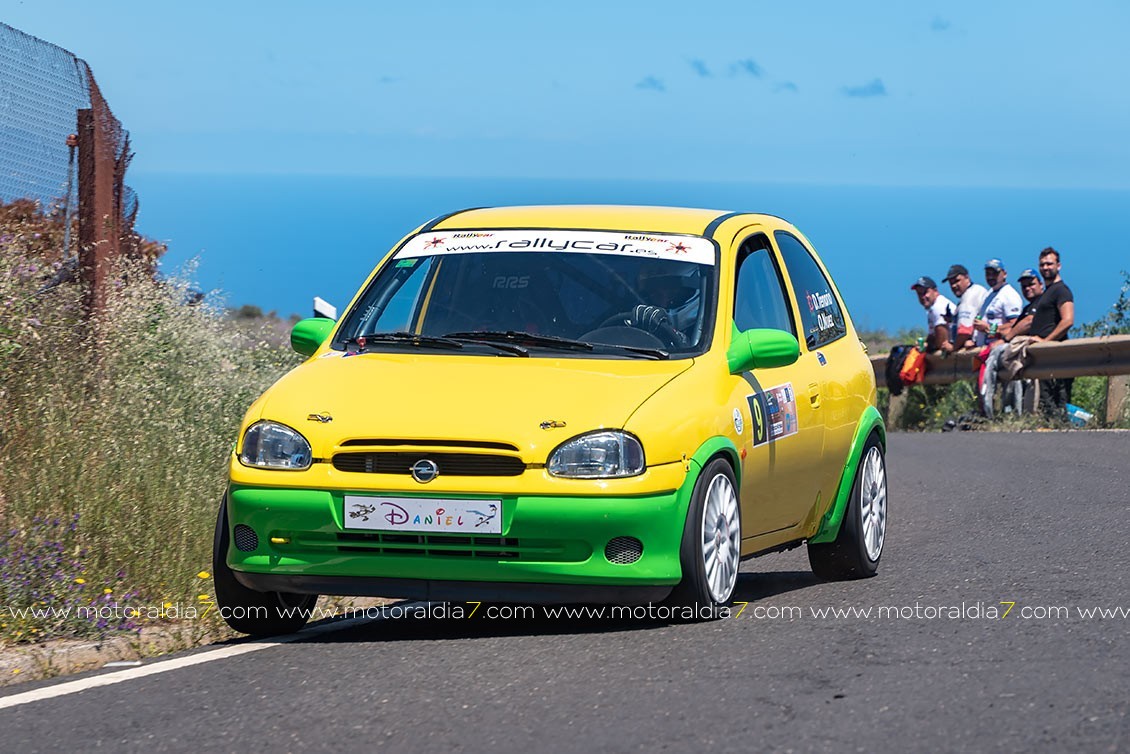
[(870, 423)]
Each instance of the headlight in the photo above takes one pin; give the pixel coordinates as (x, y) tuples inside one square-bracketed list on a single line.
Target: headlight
[(274, 446), (599, 455)]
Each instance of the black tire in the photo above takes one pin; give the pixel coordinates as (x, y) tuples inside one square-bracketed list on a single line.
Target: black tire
[(249, 611), (695, 598), (848, 557)]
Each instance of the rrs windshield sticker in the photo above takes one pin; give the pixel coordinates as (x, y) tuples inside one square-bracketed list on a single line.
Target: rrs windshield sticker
[(774, 413), (659, 246)]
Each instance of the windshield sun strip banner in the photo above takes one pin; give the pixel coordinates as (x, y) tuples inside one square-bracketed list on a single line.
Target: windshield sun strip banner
[(655, 245)]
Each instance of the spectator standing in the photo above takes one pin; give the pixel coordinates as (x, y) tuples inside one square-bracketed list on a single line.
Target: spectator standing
[(940, 312), (971, 296), (1052, 317)]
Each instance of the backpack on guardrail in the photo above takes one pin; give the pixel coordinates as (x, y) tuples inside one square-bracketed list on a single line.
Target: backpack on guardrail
[(896, 363), (913, 370)]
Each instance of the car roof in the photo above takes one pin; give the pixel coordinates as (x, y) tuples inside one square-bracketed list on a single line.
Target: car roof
[(596, 217)]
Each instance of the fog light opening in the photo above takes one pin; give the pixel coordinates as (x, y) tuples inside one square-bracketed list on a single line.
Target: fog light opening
[(246, 540), (623, 550)]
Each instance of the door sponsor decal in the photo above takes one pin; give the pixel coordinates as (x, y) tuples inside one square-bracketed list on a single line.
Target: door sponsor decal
[(774, 413)]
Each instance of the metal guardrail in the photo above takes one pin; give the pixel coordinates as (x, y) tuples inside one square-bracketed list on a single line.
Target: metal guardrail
[(1106, 356)]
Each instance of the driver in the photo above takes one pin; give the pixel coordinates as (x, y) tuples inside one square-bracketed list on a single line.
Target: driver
[(671, 296)]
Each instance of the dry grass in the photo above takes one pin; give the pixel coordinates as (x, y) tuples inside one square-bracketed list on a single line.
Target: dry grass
[(126, 423)]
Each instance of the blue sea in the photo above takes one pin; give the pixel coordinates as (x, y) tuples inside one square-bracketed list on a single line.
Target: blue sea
[(278, 241)]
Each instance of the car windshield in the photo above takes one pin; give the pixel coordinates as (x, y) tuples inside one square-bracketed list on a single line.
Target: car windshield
[(553, 292)]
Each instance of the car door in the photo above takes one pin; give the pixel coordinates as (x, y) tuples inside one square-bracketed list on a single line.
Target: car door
[(786, 426), (832, 358)]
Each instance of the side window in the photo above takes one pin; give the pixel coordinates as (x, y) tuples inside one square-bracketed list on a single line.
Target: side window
[(759, 299), (821, 318)]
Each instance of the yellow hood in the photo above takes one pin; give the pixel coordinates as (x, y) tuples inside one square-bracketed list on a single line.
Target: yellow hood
[(380, 396)]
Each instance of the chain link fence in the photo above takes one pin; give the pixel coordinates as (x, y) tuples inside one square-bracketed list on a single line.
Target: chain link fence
[(62, 149)]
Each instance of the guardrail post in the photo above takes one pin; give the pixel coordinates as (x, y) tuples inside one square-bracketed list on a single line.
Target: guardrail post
[(1117, 390)]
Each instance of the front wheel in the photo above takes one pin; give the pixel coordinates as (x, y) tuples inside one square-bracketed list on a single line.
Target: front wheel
[(711, 550), (857, 548), (249, 611)]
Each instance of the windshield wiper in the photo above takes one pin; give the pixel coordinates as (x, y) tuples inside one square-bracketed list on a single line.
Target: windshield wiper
[(513, 348), (408, 338), (527, 338), (553, 341), (651, 353), (418, 339)]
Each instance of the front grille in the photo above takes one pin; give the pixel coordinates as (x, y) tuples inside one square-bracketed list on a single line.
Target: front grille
[(450, 464), (447, 545), (623, 550), (481, 444), (246, 540)]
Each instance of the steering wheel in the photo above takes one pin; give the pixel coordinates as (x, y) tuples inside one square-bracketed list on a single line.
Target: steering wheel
[(659, 326)]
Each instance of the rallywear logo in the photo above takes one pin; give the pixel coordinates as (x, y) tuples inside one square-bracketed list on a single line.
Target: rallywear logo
[(683, 248)]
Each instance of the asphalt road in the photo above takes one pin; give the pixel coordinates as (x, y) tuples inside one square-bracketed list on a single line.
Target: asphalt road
[(1038, 520)]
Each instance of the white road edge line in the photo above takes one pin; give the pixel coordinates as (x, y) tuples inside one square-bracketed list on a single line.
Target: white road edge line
[(109, 679)]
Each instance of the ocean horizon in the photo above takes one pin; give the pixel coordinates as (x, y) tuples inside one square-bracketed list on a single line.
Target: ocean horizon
[(276, 241)]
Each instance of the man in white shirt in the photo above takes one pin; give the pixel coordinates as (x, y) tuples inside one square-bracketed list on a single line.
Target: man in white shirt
[(998, 313), (1002, 305), (971, 296), (940, 312)]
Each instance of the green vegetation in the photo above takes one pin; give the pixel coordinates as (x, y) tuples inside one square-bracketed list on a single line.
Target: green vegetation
[(121, 426)]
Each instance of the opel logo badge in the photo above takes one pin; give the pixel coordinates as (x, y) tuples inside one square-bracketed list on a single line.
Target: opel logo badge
[(424, 471)]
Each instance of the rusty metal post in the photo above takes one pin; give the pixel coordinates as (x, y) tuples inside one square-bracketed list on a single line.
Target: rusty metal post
[(96, 224), (1117, 390)]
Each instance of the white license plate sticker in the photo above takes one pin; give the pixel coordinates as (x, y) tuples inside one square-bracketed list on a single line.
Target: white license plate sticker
[(411, 514)]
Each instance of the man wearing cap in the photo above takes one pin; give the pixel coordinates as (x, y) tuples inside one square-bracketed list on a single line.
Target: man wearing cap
[(939, 313), (1032, 286), (1001, 305), (971, 296), (1000, 309)]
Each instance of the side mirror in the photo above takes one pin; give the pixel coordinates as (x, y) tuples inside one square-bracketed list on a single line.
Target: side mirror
[(761, 349), (309, 334)]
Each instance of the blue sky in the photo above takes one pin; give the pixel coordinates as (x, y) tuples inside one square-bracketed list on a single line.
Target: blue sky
[(1031, 94), (270, 134)]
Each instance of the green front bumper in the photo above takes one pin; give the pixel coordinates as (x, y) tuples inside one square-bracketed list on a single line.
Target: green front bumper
[(544, 540)]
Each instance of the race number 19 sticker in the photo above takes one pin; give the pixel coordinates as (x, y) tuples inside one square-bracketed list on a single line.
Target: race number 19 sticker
[(774, 413)]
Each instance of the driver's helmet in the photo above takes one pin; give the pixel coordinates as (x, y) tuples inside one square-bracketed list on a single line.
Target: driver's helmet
[(674, 286)]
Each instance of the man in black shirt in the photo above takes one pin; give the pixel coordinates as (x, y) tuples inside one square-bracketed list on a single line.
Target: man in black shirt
[(1053, 317), (1032, 287)]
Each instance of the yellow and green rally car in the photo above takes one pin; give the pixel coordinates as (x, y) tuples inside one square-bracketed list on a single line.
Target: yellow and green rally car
[(561, 404)]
